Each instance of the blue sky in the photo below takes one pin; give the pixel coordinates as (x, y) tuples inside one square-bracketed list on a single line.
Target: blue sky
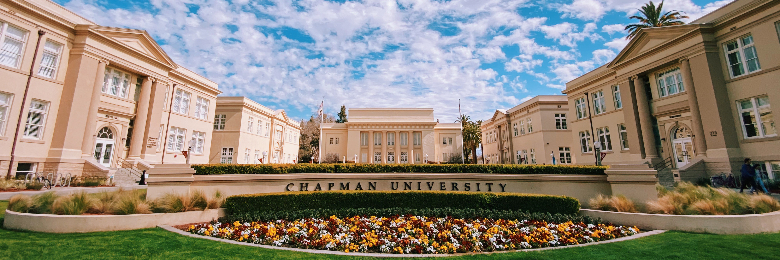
[(290, 55)]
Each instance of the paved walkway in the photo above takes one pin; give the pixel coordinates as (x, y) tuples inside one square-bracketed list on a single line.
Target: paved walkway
[(68, 190)]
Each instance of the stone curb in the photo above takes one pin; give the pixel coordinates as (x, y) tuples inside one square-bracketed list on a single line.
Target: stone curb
[(68, 190), (715, 224), (327, 252)]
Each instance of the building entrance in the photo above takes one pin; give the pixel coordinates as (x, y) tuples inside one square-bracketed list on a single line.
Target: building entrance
[(104, 146), (682, 146)]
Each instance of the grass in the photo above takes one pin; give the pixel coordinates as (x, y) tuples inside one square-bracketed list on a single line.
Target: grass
[(160, 244)]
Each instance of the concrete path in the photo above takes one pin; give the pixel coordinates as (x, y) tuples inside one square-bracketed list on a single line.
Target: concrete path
[(68, 190)]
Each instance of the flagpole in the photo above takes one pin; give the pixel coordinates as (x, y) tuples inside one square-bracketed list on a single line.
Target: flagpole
[(322, 116), (462, 154)]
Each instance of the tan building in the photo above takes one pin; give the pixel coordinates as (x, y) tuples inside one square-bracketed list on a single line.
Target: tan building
[(98, 95), (695, 99), (246, 132), (532, 132), (392, 135)]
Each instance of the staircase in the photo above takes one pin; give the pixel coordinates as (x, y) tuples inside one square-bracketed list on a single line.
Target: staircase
[(125, 173)]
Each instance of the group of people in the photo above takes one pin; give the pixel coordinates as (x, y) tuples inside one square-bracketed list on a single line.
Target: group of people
[(751, 175)]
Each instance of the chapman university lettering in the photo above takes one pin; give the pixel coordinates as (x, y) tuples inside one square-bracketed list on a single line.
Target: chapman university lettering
[(395, 185)]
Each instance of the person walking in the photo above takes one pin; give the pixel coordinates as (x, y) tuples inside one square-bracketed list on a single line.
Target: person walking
[(748, 176), (759, 183)]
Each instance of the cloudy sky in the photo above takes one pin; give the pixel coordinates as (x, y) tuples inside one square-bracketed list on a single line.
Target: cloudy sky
[(407, 53)]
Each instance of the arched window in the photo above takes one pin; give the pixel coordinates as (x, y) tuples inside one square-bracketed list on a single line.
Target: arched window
[(682, 132), (105, 133)]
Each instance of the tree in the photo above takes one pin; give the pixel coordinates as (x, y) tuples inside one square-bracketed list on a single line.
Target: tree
[(342, 115), (309, 144), (472, 136), (652, 16)]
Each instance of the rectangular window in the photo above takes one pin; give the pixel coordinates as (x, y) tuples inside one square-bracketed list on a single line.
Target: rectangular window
[(530, 126), (417, 158), (522, 126), (377, 157), (444, 140), (202, 108), (740, 52), (514, 127), (377, 138), (404, 139), (580, 104), (604, 139), (449, 140), (22, 169), (167, 94), (598, 102), (390, 138), (444, 157), (337, 140), (246, 155), (616, 97), (13, 39), (50, 59), (533, 156), (257, 157), (267, 129), (259, 127), (219, 122), (417, 138), (200, 140), (564, 155), (116, 82), (176, 139), (623, 136), (756, 117), (227, 155), (5, 107), (404, 157), (585, 142), (670, 83), (159, 137), (363, 139), (249, 123), (560, 122), (181, 102), (363, 157), (36, 119)]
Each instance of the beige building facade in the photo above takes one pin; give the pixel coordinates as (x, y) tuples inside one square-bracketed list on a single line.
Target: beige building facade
[(392, 135), (246, 132), (98, 96), (691, 100), (532, 132)]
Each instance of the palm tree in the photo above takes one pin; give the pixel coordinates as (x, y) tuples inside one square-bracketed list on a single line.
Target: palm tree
[(652, 16), (472, 135)]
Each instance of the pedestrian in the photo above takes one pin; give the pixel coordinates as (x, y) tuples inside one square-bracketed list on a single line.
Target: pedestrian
[(748, 176), (759, 179), (143, 178)]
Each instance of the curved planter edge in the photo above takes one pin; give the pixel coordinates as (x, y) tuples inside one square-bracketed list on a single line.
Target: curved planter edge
[(716, 224), (49, 223)]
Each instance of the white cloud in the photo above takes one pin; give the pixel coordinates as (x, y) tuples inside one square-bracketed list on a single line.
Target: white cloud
[(594, 10), (566, 33), (602, 56), (584, 9), (521, 65), (612, 28), (491, 54), (617, 43)]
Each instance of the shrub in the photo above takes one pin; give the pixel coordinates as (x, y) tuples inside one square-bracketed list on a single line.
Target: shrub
[(74, 204), (11, 184), (216, 201), (196, 200), (763, 204), (217, 169), (20, 203), (130, 203), (34, 185), (88, 181), (617, 203), (294, 201), (42, 203)]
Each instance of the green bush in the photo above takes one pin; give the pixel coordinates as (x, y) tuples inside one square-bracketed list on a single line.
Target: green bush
[(294, 201), (74, 204), (20, 203), (216, 169), (389, 212)]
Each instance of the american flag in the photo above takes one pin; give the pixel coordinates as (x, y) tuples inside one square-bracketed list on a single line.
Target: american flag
[(319, 112)]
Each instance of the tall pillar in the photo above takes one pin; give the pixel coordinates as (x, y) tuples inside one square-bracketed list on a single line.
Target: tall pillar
[(645, 120), (371, 141), (141, 115), (698, 133), (410, 147), (89, 130), (384, 147), (153, 120), (397, 145)]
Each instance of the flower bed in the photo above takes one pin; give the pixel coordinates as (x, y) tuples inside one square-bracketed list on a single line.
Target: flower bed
[(217, 169), (412, 234)]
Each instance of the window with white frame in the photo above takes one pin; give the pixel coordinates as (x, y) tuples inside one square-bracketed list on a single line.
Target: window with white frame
[(257, 157), (530, 126), (200, 140), (377, 157), (259, 127), (377, 138), (445, 157), (564, 155), (330, 140), (533, 156), (514, 127), (579, 105), (560, 122), (116, 82), (604, 138), (167, 95), (756, 117), (219, 122), (404, 157), (739, 53), (267, 129), (176, 139), (246, 155), (616, 97), (227, 155), (249, 123), (159, 137), (36, 119), (417, 138), (623, 136), (5, 108), (670, 83), (598, 102), (417, 158), (390, 138), (13, 39), (50, 59), (202, 108), (181, 102), (363, 157), (585, 142), (364, 139), (522, 126), (444, 140), (404, 139), (337, 140)]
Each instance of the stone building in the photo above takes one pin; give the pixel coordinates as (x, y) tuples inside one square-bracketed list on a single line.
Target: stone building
[(690, 100), (246, 132), (532, 132), (100, 98), (392, 135)]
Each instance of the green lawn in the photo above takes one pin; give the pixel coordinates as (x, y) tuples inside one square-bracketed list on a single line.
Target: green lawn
[(160, 244)]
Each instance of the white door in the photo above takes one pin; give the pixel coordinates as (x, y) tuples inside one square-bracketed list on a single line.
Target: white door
[(104, 146), (682, 146)]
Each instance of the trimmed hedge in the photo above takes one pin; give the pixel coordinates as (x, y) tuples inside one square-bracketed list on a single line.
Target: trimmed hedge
[(254, 204), (389, 212), (216, 169)]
